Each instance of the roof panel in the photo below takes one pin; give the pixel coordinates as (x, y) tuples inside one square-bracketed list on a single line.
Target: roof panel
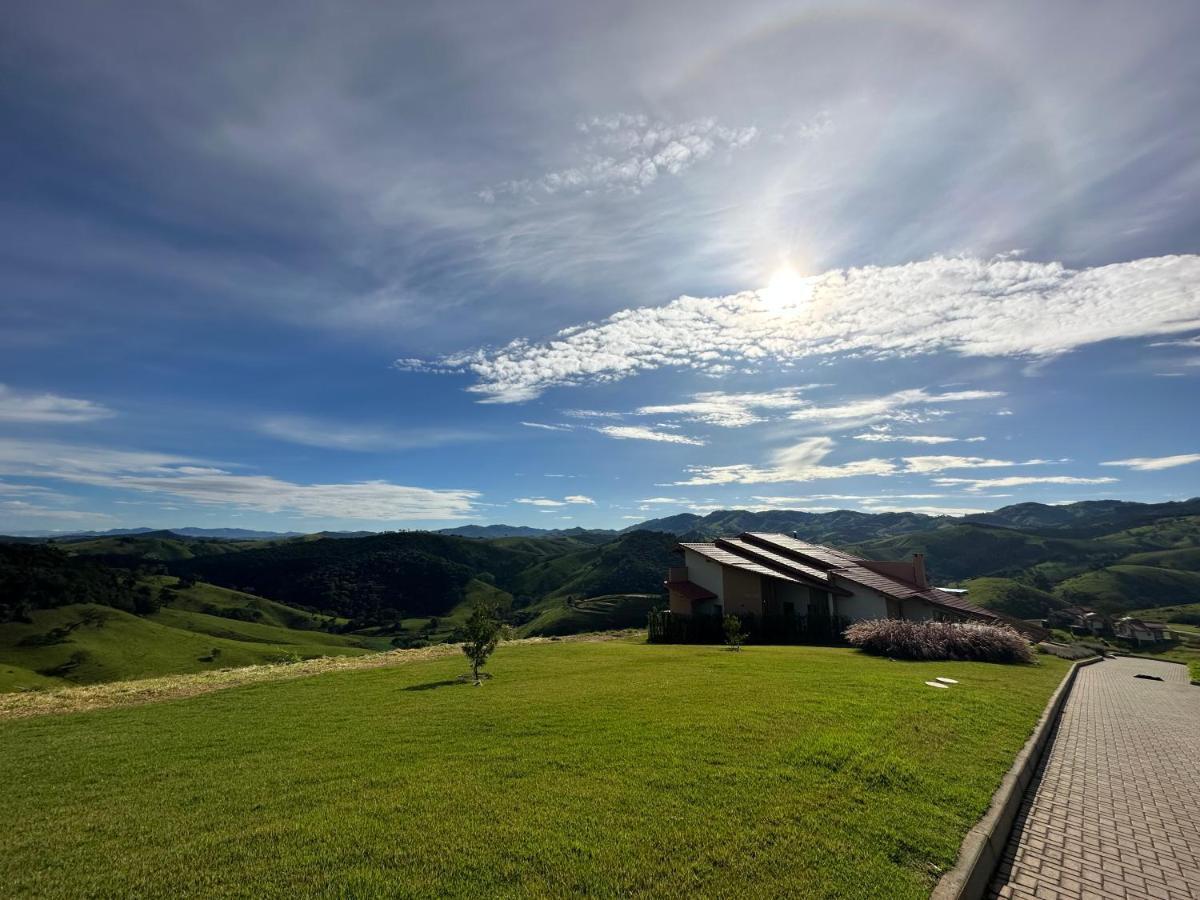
[(724, 557), (740, 546)]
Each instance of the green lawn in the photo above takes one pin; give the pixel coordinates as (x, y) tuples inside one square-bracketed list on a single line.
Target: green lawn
[(602, 768)]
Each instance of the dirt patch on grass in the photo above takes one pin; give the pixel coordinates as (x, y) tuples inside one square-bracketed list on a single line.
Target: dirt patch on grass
[(24, 704)]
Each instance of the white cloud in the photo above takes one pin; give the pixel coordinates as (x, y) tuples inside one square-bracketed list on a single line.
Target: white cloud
[(802, 462), (972, 307), (49, 409), (883, 434), (1186, 342), (979, 484), (367, 438), (729, 410), (738, 410), (1155, 463), (896, 406), (626, 154), (590, 414), (664, 501), (545, 427), (191, 479), (865, 498), (547, 501), (923, 465), (640, 433)]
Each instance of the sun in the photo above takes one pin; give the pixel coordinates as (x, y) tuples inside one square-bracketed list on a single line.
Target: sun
[(786, 288)]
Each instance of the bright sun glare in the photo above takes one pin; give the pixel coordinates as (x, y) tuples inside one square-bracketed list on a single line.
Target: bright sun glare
[(786, 288)]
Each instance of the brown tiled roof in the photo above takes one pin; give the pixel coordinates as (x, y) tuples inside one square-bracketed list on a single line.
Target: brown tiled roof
[(837, 564), (690, 590), (803, 573), (725, 558)]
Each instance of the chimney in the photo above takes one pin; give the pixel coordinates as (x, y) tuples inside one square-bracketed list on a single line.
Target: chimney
[(919, 578)]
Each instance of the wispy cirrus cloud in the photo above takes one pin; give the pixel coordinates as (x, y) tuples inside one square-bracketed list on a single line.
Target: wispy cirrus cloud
[(365, 438), (1155, 463), (545, 426), (729, 410), (1192, 343), (971, 307), (802, 462), (48, 409), (551, 502), (195, 480), (624, 432), (883, 434), (626, 154), (778, 501), (980, 484), (805, 462), (641, 433), (923, 465)]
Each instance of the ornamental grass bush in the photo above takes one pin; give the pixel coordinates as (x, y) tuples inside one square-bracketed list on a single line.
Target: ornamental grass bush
[(904, 639)]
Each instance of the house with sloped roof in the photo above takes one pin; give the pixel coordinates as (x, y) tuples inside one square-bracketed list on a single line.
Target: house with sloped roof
[(1079, 619), (774, 576), (1139, 632)]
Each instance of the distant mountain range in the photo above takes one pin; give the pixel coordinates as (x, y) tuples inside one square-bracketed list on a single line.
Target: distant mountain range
[(503, 531), (1090, 517), (412, 587), (228, 534), (1082, 519)]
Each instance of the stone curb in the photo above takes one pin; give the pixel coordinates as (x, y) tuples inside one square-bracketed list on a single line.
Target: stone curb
[(981, 850)]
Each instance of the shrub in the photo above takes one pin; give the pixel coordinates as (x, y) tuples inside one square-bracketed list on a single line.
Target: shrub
[(904, 639), (480, 636), (732, 627)]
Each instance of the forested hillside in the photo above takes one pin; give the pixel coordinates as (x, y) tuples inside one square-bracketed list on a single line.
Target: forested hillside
[(410, 588)]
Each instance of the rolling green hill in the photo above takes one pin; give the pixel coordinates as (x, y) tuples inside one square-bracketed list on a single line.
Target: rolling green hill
[(962, 551), (560, 616), (87, 643), (1124, 587), (1012, 598)]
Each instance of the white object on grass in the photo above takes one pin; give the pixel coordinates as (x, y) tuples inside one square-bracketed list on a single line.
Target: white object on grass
[(937, 684), (944, 680)]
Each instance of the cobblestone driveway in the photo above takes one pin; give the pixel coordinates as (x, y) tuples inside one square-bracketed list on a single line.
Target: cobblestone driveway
[(1115, 812)]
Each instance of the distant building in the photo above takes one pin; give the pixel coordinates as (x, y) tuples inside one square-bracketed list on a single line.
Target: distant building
[(773, 576), (1140, 632), (1079, 619)]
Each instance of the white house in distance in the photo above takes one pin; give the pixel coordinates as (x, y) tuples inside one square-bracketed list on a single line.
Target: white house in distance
[(768, 575), (1140, 632)]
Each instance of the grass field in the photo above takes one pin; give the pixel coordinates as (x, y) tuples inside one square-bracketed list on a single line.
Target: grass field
[(601, 768)]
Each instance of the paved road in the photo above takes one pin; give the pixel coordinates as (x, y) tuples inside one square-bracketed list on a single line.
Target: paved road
[(1116, 810)]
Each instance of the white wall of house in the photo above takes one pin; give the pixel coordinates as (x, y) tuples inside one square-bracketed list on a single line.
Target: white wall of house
[(704, 572), (864, 603)]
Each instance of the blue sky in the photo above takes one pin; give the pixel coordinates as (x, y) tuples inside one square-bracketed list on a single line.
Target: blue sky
[(381, 266)]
